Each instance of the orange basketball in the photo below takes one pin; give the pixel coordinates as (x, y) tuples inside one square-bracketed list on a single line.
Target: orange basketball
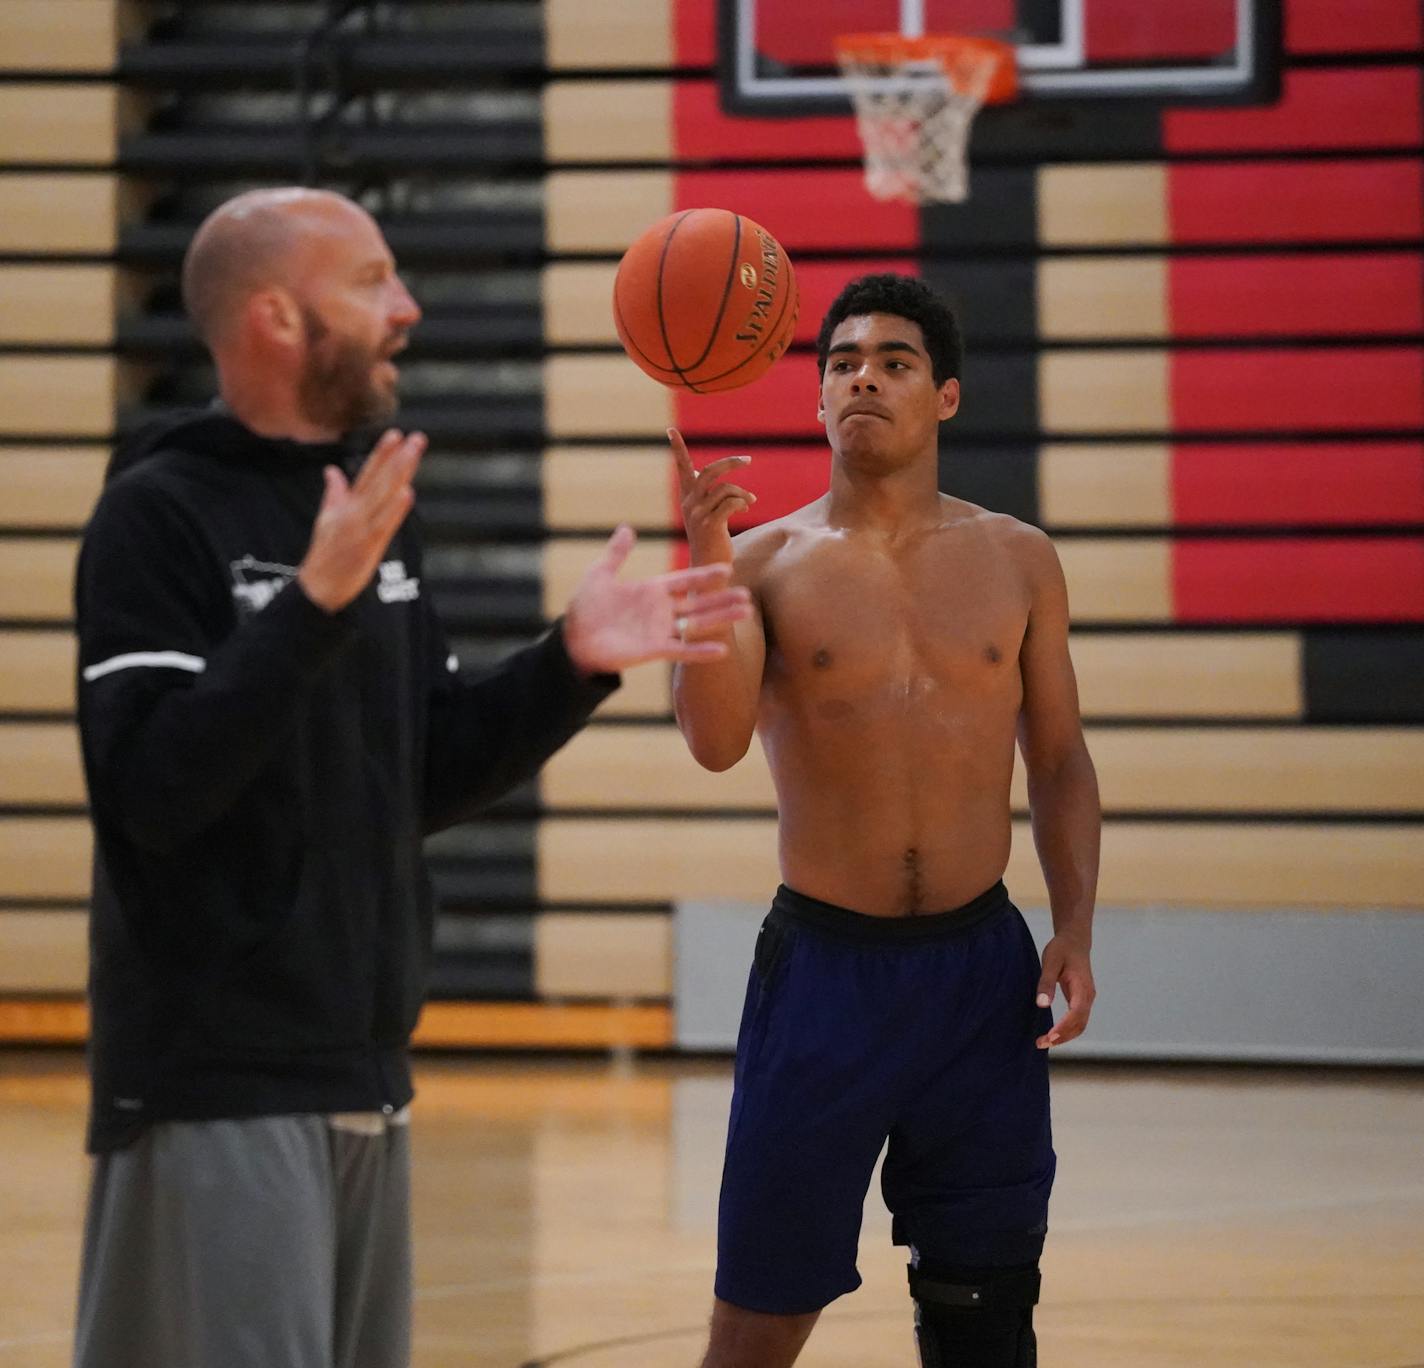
[(705, 300)]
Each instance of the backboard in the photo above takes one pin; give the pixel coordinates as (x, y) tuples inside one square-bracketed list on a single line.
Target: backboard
[(777, 56)]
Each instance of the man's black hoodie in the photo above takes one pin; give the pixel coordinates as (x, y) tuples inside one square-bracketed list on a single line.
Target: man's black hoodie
[(261, 774)]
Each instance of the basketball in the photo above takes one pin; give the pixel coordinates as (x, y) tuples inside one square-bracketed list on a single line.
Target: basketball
[(705, 300)]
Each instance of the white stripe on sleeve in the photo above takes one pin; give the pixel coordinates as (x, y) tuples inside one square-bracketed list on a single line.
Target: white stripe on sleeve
[(171, 660)]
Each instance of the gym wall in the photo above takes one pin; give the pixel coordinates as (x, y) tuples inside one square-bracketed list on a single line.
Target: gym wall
[(1196, 357)]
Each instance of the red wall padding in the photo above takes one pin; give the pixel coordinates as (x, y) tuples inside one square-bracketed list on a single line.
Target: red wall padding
[(695, 35), (821, 281), (820, 210), (1372, 107), (1276, 389), (1305, 293), (803, 32), (1134, 30), (1308, 484), (1327, 579), (702, 132), (1353, 25), (1367, 199), (781, 404)]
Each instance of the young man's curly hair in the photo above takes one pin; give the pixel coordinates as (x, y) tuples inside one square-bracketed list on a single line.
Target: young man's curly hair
[(905, 297)]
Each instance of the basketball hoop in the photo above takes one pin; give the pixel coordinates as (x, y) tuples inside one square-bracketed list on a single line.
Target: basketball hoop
[(915, 101)]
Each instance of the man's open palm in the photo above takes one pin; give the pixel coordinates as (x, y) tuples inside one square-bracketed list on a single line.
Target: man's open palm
[(612, 624)]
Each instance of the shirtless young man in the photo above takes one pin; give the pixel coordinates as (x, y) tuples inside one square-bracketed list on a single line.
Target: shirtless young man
[(902, 640)]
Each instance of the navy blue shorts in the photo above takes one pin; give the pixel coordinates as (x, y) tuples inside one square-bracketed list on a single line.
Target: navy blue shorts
[(855, 1029)]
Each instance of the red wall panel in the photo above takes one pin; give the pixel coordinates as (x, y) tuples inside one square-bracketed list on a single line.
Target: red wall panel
[(1369, 199), (1277, 389), (1132, 31), (1355, 107), (1303, 294), (1301, 485), (702, 132), (821, 281), (805, 209), (695, 34), (1334, 579), (1356, 26), (781, 404), (799, 33)]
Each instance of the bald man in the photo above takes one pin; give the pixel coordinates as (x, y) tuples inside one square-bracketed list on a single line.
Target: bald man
[(271, 722)]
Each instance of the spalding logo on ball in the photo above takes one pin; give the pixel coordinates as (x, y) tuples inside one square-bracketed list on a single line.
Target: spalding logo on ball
[(705, 300)]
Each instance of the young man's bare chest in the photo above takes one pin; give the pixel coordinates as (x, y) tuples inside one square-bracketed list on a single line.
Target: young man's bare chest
[(855, 622)]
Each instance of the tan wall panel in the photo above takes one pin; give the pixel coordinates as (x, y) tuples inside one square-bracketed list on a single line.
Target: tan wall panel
[(1126, 579), (45, 857), (593, 396), (60, 396), (646, 692), (603, 954), (632, 33), (608, 121), (1157, 675), (59, 213), (1105, 486), (650, 768), (40, 765), (1104, 391), (603, 211), (1188, 674), (1303, 770), (1164, 769), (578, 303), (44, 123), (1192, 864), (50, 486), (1214, 769), (59, 35), (588, 488), (566, 561), (43, 950), (1147, 675), (37, 578), (1102, 297), (37, 672), (1092, 206), (1221, 864), (606, 860), (56, 306)]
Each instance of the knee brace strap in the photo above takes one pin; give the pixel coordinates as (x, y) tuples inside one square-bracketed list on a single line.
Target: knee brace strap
[(987, 1289)]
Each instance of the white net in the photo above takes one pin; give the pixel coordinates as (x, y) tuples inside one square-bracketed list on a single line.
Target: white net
[(915, 101)]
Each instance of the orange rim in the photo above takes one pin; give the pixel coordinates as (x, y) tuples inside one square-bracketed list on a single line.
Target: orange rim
[(886, 49)]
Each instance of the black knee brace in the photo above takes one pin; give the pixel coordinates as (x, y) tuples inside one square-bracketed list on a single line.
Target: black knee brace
[(974, 1317)]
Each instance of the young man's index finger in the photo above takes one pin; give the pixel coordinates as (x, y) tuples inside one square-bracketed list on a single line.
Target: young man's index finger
[(682, 459)]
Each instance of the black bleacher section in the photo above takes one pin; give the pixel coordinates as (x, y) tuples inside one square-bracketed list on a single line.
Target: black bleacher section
[(429, 114)]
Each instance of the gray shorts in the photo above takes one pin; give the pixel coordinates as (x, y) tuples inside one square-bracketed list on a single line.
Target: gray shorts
[(275, 1242)]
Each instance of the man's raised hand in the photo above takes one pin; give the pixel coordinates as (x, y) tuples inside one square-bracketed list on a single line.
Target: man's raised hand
[(612, 624), (356, 521)]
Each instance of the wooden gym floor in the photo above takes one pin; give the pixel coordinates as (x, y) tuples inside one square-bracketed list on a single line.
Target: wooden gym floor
[(565, 1214)]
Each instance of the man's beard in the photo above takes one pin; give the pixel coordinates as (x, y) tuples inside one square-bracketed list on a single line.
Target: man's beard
[(337, 389)]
